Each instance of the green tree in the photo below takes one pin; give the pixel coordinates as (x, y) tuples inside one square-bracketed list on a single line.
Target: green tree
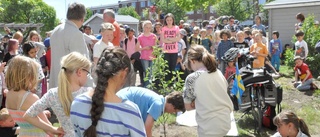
[(240, 9), (193, 5), (28, 11), (129, 11), (170, 6), (89, 14)]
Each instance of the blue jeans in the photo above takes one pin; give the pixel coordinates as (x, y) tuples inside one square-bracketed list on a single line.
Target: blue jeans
[(275, 61), (303, 86), (147, 64)]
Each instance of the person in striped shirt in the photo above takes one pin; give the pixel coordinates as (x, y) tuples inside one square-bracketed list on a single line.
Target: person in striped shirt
[(100, 112)]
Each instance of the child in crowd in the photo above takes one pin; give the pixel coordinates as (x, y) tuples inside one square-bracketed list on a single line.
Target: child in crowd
[(205, 41), (303, 76), (30, 50), (275, 50), (8, 128), (94, 112), (224, 45), (145, 44), (72, 77), (122, 37), (301, 46), (107, 30), (46, 43), (290, 125), (283, 54), (259, 50), (247, 35), (170, 37), (231, 69), (182, 44), (216, 41), (241, 42), (13, 47), (129, 46), (181, 68), (194, 39), (19, 99)]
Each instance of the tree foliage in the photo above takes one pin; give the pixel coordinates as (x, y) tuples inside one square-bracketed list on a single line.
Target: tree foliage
[(240, 9), (191, 5), (129, 11), (170, 6), (89, 14), (28, 11)]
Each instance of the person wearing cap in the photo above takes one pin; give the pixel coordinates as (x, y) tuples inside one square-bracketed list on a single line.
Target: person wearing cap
[(182, 47), (303, 76), (151, 104)]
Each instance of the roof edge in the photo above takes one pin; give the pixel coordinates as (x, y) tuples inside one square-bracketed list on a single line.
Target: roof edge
[(291, 5)]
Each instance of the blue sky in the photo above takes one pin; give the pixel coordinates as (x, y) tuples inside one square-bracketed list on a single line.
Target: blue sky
[(61, 6)]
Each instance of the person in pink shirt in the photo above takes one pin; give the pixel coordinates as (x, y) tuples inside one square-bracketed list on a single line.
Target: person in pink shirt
[(170, 35), (145, 44)]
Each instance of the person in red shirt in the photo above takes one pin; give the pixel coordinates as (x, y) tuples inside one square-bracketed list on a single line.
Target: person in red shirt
[(109, 16), (303, 76), (46, 43)]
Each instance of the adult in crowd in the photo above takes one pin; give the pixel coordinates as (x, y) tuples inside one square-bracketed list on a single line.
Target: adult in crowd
[(232, 26), (100, 112), (67, 38), (151, 104), (258, 25), (109, 16), (206, 91)]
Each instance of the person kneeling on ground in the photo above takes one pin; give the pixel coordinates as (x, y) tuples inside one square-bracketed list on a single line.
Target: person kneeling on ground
[(290, 125), (152, 105), (303, 73)]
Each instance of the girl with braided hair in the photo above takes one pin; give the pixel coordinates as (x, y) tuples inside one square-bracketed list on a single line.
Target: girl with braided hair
[(290, 125), (100, 112)]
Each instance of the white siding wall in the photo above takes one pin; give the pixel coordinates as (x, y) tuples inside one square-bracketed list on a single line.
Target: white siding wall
[(283, 20), (96, 22)]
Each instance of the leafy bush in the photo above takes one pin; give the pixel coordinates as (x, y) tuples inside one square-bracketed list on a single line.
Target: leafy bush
[(312, 35), (159, 84), (159, 72), (289, 58)]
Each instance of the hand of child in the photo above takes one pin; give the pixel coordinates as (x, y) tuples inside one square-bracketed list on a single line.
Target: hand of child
[(47, 113), (56, 131), (3, 64)]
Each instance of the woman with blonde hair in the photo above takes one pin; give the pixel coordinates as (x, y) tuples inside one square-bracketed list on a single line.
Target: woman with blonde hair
[(21, 77), (72, 78)]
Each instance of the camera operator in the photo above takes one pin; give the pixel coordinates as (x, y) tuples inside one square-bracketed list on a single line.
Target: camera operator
[(232, 26)]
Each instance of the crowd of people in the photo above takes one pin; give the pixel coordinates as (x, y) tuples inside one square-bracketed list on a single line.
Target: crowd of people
[(92, 79)]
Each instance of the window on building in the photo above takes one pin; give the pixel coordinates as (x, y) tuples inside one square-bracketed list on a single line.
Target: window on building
[(142, 4), (133, 4), (149, 3)]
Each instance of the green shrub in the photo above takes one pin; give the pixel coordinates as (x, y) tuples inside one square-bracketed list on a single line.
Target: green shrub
[(289, 58), (312, 35)]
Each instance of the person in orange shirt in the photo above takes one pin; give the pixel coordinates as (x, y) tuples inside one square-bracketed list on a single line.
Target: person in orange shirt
[(259, 50), (109, 16)]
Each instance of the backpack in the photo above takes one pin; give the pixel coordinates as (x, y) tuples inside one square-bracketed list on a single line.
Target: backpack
[(268, 115), (126, 42), (271, 111), (136, 55)]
